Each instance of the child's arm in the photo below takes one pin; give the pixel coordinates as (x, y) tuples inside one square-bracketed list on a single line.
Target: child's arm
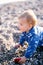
[(21, 41), (32, 46)]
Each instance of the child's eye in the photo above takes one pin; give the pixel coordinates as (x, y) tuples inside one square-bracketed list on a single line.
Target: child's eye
[(21, 24)]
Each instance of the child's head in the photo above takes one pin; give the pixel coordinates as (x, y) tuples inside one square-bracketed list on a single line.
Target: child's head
[(27, 20)]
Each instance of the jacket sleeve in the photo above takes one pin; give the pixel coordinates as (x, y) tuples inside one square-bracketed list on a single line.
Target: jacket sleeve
[(22, 39), (32, 46)]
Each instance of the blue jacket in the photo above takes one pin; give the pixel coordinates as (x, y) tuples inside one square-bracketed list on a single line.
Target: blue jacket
[(34, 37)]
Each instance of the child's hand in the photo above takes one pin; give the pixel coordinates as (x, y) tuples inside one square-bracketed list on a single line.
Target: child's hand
[(16, 46), (22, 60), (16, 60)]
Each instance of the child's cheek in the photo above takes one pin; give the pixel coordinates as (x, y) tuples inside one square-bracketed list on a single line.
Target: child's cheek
[(20, 27)]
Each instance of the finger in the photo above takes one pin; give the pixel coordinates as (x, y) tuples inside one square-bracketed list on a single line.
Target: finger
[(21, 62)]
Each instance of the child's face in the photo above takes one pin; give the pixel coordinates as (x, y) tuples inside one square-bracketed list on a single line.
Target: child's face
[(24, 26)]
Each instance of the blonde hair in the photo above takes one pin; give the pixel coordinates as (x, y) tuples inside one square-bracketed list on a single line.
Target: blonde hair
[(30, 16)]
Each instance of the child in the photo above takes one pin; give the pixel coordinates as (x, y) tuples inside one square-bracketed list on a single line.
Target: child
[(31, 33)]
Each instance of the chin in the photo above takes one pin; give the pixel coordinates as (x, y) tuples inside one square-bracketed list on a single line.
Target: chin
[(22, 31)]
